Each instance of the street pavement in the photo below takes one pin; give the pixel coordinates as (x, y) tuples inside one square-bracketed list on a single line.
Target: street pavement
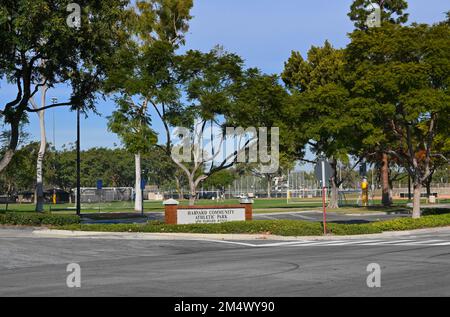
[(412, 264)]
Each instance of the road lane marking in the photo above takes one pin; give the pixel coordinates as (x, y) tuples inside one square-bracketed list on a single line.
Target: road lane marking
[(357, 242), (282, 243), (387, 242), (443, 243), (230, 242), (264, 216), (424, 242), (311, 243), (302, 217)]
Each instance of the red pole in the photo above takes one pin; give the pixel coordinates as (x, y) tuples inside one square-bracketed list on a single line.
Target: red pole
[(324, 189)]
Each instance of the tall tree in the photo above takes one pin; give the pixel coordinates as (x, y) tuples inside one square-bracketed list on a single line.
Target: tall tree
[(393, 12), (132, 124), (262, 101), (39, 194), (35, 31), (319, 99), (209, 82), (398, 79), (141, 71)]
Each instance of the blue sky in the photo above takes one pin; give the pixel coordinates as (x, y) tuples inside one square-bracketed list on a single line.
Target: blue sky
[(263, 32)]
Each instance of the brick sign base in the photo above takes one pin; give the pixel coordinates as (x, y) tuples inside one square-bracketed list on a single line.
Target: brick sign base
[(203, 213)]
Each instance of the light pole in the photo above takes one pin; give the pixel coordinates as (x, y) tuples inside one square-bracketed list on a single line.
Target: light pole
[(78, 164), (54, 101)]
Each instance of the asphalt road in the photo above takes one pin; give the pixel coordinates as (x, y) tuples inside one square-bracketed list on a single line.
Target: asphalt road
[(412, 265)]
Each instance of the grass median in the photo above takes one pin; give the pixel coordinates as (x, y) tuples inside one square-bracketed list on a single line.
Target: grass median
[(260, 206), (273, 227), (434, 218)]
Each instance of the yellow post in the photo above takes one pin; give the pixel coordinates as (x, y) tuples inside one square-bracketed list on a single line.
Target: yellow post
[(365, 192)]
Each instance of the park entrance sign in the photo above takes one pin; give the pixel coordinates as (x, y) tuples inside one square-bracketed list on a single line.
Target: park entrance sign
[(182, 215), (187, 216)]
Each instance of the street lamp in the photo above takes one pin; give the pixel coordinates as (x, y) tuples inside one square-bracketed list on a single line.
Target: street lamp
[(54, 102)]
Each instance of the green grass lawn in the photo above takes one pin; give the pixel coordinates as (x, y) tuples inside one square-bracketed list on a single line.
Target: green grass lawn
[(158, 206), (441, 218), (260, 206), (23, 215)]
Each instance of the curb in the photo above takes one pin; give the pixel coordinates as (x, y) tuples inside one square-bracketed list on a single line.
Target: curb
[(48, 233)]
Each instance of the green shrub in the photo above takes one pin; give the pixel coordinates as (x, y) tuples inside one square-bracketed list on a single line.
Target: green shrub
[(275, 227), (352, 229), (278, 227), (37, 219), (435, 211), (400, 224)]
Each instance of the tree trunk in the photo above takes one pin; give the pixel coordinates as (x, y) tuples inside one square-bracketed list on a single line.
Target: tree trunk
[(269, 187), (428, 185), (138, 191), (6, 159), (192, 191), (39, 165), (334, 199), (386, 192), (416, 202), (179, 191), (13, 142)]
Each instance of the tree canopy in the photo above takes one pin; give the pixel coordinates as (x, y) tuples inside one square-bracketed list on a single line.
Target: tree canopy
[(40, 48), (392, 11), (398, 78)]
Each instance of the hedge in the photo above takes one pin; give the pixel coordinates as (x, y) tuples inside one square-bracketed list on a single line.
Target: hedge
[(37, 219), (275, 227)]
